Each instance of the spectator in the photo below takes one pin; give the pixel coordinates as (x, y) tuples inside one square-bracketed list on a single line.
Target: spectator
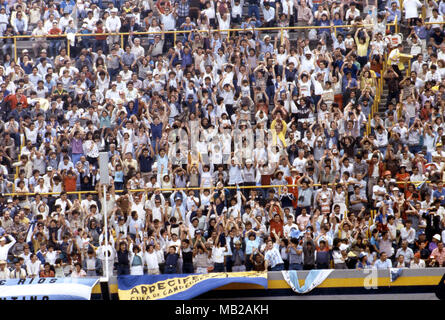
[(194, 110)]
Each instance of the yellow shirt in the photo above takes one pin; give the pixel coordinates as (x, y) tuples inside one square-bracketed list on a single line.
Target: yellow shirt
[(362, 49), (25, 220), (394, 58), (281, 134)]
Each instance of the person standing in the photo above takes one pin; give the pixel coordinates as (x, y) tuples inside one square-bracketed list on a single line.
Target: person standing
[(91, 264), (136, 260), (4, 248), (187, 257), (113, 25), (273, 257), (308, 252), (171, 260), (102, 251), (123, 263)]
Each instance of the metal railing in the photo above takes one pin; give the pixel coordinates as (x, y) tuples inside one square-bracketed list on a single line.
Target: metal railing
[(229, 187), (180, 32)]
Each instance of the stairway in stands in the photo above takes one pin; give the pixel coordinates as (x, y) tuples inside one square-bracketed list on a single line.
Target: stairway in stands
[(383, 98)]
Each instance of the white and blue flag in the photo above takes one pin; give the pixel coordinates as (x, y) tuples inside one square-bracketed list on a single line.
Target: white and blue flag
[(313, 279), (47, 289)]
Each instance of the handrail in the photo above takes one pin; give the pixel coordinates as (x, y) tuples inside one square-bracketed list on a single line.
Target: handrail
[(192, 188), (22, 144), (190, 31), (175, 32)]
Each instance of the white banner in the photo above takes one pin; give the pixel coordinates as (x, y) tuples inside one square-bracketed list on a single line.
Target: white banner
[(47, 289)]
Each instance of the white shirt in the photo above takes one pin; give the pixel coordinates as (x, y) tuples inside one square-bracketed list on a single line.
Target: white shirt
[(151, 260), (168, 21), (438, 19), (299, 164), (375, 189), (420, 265), (51, 257), (269, 15), (4, 250), (218, 254), (113, 24), (4, 274), (63, 204), (408, 235), (33, 268), (411, 7), (223, 24)]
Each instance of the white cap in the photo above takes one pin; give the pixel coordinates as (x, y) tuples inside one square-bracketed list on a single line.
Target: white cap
[(343, 247), (49, 169), (114, 10), (2, 239), (437, 237), (249, 161)]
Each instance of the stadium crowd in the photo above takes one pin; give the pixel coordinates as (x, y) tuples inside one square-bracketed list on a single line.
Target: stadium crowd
[(221, 115)]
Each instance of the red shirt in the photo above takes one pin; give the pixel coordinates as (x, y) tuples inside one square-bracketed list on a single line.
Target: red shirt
[(70, 183), (43, 274), (100, 30), (12, 99), (402, 177), (54, 31), (277, 226)]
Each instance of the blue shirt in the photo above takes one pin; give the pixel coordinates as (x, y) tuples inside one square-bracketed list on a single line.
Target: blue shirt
[(250, 244), (365, 265), (393, 14), (266, 48), (324, 23), (379, 264), (338, 22), (442, 8), (119, 176), (421, 31), (68, 6), (353, 69), (345, 83), (162, 161), (374, 242), (437, 194)]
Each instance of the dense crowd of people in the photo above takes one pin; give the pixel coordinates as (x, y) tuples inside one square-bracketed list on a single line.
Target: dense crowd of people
[(228, 150)]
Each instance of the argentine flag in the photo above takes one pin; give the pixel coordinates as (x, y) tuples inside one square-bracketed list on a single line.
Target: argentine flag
[(313, 279)]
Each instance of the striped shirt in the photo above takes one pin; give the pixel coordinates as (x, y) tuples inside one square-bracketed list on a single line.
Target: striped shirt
[(273, 257)]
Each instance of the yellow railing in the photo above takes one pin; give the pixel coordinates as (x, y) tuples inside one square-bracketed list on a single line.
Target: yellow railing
[(22, 143), (176, 32), (79, 193), (375, 105)]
